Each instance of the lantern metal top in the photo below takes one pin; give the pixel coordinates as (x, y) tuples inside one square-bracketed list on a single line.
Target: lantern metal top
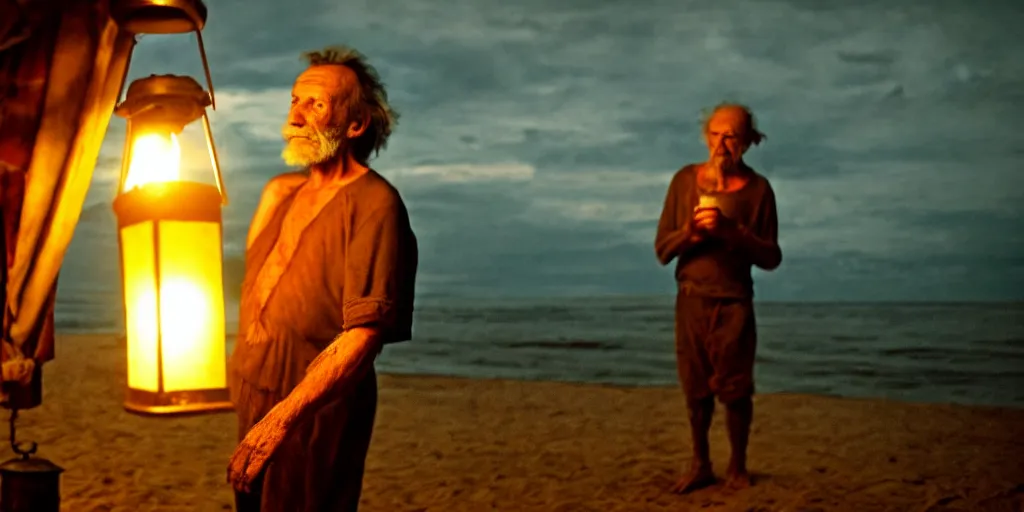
[(159, 16), (28, 464), (171, 101)]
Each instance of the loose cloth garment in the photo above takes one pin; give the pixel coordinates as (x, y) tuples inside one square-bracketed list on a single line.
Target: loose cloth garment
[(712, 269), (716, 334), (61, 67), (353, 265), (319, 466), (716, 340)]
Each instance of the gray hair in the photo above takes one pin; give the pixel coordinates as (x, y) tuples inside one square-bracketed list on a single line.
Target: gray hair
[(750, 131), (369, 99)]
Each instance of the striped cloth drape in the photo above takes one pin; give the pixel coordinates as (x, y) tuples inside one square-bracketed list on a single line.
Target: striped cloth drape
[(61, 66)]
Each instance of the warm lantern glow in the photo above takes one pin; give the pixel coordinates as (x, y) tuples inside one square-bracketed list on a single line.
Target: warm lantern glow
[(155, 158), (189, 315), (192, 306), (139, 268), (171, 255)]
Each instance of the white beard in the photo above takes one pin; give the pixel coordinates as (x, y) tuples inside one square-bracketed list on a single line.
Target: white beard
[(300, 153)]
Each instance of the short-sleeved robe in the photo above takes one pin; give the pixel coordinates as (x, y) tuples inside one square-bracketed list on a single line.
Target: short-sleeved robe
[(353, 265), (716, 335)]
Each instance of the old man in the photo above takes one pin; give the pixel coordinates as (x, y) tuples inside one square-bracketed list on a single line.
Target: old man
[(718, 221), (330, 271)]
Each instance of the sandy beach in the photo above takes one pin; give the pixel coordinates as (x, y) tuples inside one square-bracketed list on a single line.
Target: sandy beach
[(445, 444)]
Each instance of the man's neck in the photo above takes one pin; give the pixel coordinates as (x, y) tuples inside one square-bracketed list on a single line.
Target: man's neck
[(715, 177), (337, 171), (734, 169)]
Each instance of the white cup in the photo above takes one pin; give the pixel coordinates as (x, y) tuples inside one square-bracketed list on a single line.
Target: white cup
[(708, 202)]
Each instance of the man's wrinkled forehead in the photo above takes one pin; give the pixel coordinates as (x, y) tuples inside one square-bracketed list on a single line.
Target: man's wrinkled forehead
[(327, 80), (733, 118)]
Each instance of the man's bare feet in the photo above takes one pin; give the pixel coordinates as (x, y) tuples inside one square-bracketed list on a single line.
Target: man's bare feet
[(699, 476), (738, 479)]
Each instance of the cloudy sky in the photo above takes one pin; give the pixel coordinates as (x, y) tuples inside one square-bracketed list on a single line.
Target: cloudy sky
[(537, 138)]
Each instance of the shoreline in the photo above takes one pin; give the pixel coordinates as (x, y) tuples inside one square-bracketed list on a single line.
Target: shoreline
[(767, 377), (456, 444)]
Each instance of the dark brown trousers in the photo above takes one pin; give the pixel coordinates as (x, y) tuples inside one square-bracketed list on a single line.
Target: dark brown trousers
[(715, 344), (319, 467)]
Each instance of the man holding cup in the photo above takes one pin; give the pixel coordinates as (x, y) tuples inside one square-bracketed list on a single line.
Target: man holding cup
[(718, 221)]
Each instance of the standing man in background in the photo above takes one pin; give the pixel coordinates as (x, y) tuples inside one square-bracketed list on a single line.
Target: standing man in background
[(330, 273), (719, 220)]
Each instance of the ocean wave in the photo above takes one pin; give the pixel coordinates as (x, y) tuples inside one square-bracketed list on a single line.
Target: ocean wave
[(565, 345), (966, 354)]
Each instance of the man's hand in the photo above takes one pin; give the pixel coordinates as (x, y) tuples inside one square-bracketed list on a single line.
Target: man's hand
[(252, 455), (696, 235), (677, 243), (338, 369), (714, 223)]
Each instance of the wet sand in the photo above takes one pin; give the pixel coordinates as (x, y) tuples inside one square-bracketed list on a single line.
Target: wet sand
[(446, 444)]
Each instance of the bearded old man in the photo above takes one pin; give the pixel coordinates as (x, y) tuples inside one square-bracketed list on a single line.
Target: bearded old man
[(330, 272), (718, 221)]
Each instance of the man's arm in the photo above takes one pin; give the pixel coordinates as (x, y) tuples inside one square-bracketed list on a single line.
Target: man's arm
[(336, 371), (765, 254), (671, 240), (760, 242), (373, 269), (275, 191), (341, 365), (676, 243)]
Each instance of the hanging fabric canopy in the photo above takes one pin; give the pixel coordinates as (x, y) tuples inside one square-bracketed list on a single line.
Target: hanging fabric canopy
[(62, 63)]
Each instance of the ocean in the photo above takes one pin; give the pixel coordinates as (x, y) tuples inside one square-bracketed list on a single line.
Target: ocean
[(925, 352)]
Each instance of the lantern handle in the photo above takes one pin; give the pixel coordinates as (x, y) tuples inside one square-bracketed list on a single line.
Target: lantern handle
[(206, 67), (15, 445), (127, 67), (214, 160), (126, 157), (202, 55)]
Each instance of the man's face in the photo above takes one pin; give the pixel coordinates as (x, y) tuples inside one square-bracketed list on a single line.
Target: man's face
[(316, 127), (725, 138)]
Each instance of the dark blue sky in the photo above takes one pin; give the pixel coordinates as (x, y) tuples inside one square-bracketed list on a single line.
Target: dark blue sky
[(536, 140)]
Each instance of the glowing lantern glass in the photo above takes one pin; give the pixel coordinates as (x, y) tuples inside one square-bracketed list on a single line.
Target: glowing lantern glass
[(170, 237)]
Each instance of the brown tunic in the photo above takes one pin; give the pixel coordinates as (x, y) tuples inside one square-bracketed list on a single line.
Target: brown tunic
[(716, 333), (712, 269), (353, 264)]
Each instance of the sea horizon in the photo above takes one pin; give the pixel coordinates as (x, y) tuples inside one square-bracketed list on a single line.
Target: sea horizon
[(969, 353)]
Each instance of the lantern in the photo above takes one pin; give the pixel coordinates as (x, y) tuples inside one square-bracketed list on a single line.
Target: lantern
[(170, 239), (28, 484)]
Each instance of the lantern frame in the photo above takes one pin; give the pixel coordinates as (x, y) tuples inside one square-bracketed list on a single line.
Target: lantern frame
[(167, 103), (164, 17)]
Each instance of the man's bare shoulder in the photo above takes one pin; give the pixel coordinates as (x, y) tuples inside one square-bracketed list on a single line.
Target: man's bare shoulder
[(278, 187), (287, 180)]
